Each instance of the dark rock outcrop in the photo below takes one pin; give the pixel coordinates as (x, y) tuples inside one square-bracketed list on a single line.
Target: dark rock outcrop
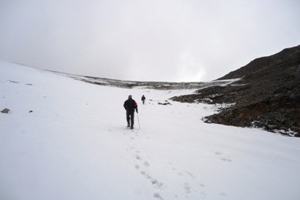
[(5, 110), (267, 95)]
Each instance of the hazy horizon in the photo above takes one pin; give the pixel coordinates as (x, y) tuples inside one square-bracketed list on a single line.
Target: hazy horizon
[(172, 41)]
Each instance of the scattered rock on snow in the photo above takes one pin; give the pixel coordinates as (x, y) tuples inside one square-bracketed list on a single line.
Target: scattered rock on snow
[(165, 103), (5, 110)]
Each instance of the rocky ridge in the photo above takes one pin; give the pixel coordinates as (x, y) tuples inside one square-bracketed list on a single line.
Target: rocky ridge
[(266, 94)]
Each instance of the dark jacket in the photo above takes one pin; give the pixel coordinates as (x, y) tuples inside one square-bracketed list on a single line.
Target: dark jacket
[(130, 105)]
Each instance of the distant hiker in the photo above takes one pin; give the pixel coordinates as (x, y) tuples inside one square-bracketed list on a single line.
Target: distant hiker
[(143, 99), (130, 105)]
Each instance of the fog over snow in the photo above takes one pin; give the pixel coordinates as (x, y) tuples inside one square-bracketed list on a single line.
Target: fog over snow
[(67, 139), (146, 40)]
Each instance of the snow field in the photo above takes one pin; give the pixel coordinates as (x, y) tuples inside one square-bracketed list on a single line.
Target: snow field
[(75, 145)]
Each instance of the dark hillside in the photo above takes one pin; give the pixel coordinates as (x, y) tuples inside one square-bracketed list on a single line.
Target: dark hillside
[(266, 96)]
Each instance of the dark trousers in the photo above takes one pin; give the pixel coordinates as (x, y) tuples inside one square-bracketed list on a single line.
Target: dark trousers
[(130, 118)]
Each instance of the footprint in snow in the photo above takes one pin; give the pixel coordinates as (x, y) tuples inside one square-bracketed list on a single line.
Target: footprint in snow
[(157, 195), (146, 164), (187, 188), (138, 157), (226, 159)]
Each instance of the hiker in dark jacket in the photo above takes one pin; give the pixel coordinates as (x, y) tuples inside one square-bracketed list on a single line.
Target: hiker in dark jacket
[(130, 106), (143, 99)]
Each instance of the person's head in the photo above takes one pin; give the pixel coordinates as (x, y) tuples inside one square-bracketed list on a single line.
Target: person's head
[(130, 97)]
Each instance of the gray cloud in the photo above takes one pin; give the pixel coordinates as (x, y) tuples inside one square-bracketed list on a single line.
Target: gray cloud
[(169, 40)]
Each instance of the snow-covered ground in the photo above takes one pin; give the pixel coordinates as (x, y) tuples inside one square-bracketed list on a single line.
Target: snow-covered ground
[(67, 140)]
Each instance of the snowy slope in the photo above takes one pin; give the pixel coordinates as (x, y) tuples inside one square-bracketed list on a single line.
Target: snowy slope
[(75, 145)]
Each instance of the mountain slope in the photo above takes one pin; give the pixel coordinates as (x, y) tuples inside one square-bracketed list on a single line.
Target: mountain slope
[(67, 139), (267, 95)]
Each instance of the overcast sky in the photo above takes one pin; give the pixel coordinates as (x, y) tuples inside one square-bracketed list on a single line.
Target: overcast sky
[(146, 40)]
